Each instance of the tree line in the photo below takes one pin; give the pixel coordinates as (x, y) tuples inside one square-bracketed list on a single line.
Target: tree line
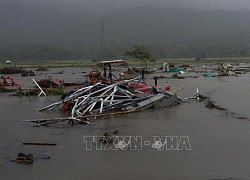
[(49, 52)]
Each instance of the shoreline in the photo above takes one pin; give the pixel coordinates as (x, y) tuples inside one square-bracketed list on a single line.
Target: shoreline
[(90, 63)]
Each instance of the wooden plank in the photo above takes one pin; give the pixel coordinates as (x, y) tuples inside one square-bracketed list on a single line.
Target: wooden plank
[(39, 144)]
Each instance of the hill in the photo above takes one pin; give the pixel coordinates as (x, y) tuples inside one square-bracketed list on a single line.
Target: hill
[(32, 32)]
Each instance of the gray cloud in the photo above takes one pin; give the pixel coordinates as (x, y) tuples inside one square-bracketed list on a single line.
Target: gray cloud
[(112, 5)]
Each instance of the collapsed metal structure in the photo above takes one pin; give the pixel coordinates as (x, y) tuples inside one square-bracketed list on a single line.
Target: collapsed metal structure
[(119, 97), (100, 99)]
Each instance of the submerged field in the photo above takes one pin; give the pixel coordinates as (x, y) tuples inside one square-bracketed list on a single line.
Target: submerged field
[(89, 63), (219, 139)]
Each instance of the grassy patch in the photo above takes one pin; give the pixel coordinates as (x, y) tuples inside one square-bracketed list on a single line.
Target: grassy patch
[(90, 63)]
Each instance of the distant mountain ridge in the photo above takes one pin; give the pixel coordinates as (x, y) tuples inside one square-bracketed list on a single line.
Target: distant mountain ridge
[(27, 30)]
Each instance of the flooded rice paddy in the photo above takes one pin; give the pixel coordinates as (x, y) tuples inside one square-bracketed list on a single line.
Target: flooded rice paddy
[(220, 140)]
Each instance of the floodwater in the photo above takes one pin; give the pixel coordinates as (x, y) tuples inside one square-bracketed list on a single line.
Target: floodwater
[(219, 140)]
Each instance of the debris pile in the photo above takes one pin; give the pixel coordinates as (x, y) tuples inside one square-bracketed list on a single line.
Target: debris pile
[(23, 158), (225, 70), (211, 105), (206, 71), (11, 70), (106, 138), (42, 69), (48, 83), (118, 98), (27, 73), (4, 89), (8, 81)]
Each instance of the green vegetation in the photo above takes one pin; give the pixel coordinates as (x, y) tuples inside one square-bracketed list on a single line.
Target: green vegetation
[(140, 53), (159, 62), (51, 64), (35, 92), (4, 90), (167, 33), (11, 70)]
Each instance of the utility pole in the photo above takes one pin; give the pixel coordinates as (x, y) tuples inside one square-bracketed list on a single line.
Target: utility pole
[(102, 41)]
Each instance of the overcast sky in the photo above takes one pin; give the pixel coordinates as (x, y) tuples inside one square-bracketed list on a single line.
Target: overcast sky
[(102, 5)]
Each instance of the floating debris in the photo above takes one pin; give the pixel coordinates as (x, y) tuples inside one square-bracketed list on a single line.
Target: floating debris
[(42, 69), (27, 73), (39, 144), (4, 89), (60, 72), (11, 70), (106, 138), (226, 70), (49, 83), (36, 92), (8, 81), (207, 75), (211, 105), (120, 97), (242, 118), (116, 131), (198, 96), (23, 158), (176, 76), (47, 157), (105, 96)]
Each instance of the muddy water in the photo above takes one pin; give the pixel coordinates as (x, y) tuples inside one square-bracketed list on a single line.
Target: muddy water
[(220, 142)]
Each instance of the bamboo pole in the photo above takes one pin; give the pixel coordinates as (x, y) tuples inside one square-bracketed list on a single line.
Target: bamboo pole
[(177, 89), (79, 118), (39, 144)]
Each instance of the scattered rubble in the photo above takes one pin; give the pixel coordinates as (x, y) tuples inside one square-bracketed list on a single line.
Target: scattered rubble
[(106, 138), (42, 69), (8, 81), (60, 72), (11, 70), (8, 85), (106, 95), (4, 89), (23, 158), (116, 132), (120, 97), (36, 91), (211, 105), (27, 73), (48, 83), (206, 71)]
